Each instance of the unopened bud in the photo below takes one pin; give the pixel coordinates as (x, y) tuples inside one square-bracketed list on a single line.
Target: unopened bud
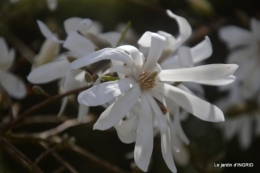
[(38, 90)]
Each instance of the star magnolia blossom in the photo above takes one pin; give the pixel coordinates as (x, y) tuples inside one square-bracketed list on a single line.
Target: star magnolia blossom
[(83, 37), (12, 84), (143, 80), (245, 52)]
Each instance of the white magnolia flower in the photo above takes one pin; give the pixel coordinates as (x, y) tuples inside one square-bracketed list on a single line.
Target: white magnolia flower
[(242, 126), (245, 52), (143, 86), (14, 86), (79, 45)]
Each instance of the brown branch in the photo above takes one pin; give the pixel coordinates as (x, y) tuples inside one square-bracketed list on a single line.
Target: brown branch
[(95, 159), (43, 104), (45, 154), (13, 151)]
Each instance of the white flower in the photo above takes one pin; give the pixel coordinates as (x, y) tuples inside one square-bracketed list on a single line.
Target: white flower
[(12, 84), (48, 52), (245, 52), (242, 126), (140, 86), (78, 42), (52, 4)]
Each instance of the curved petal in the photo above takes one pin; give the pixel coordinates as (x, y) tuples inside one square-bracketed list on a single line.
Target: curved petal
[(235, 36), (130, 137), (192, 104), (107, 53), (218, 82), (156, 49), (170, 40), (182, 158), (63, 105), (185, 57), (103, 93), (124, 127), (47, 53), (145, 39), (202, 51), (14, 86), (184, 29), (116, 112), (71, 24), (47, 33), (6, 58), (255, 27), (49, 72), (171, 62), (83, 111), (144, 140), (78, 44), (199, 73)]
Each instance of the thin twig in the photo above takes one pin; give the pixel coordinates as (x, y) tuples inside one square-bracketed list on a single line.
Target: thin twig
[(45, 154), (19, 156), (64, 163), (95, 159), (43, 104)]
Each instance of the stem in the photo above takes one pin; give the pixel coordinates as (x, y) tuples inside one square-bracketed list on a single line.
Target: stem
[(43, 104), (95, 159), (19, 156)]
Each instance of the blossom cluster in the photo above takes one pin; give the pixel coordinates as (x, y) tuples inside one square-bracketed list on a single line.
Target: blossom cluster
[(145, 89)]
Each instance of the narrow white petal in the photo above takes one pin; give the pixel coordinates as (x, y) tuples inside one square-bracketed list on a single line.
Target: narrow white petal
[(116, 112), (182, 158), (235, 36), (107, 53), (47, 33), (192, 104), (255, 27), (124, 127), (78, 44), (156, 49), (6, 58), (170, 40), (83, 111), (63, 105), (245, 136), (167, 150), (185, 57), (130, 137), (218, 82), (70, 82), (144, 140), (12, 84), (103, 93), (195, 88), (49, 72), (137, 57), (110, 37), (145, 39), (184, 29), (179, 129), (199, 73), (202, 51), (71, 24)]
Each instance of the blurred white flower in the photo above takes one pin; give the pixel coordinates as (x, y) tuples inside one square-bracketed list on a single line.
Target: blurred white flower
[(48, 52), (142, 86), (52, 4), (78, 42), (245, 52), (14, 86), (242, 126)]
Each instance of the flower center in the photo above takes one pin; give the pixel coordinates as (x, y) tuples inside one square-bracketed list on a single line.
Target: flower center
[(147, 80)]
